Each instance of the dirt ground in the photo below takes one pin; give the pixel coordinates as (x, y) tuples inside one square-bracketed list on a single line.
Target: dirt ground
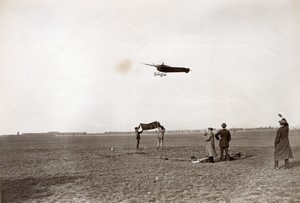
[(85, 169)]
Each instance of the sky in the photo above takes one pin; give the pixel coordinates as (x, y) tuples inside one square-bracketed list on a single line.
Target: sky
[(77, 65)]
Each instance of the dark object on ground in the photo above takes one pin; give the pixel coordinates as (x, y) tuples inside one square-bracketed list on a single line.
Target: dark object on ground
[(233, 156)]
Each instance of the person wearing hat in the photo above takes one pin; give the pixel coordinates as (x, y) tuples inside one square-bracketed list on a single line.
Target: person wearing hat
[(224, 136), (138, 137), (210, 144), (282, 144)]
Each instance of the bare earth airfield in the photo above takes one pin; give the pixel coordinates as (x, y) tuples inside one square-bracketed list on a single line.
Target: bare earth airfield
[(85, 169)]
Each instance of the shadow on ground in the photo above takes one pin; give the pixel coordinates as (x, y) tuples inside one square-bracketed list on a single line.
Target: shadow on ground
[(295, 164), (20, 190)]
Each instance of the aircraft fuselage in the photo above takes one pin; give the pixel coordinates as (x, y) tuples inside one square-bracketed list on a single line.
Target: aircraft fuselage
[(169, 69)]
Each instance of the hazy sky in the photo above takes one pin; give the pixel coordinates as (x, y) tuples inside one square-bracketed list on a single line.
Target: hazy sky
[(76, 65)]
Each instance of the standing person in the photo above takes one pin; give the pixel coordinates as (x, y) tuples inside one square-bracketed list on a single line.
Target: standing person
[(282, 144), (210, 145), (160, 137), (138, 137), (224, 137)]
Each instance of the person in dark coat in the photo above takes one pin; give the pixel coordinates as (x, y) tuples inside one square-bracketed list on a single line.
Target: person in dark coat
[(210, 144), (224, 137), (282, 144), (138, 137)]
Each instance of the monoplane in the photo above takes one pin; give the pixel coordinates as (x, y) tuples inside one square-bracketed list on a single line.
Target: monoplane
[(162, 69)]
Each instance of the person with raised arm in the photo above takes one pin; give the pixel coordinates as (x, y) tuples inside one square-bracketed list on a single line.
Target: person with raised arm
[(138, 137), (282, 145), (160, 137), (210, 144)]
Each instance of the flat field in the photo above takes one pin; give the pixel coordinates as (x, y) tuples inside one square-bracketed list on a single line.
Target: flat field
[(85, 169)]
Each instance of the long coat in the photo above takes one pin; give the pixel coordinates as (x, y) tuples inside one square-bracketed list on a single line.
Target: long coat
[(161, 133), (224, 137), (210, 144), (282, 144)]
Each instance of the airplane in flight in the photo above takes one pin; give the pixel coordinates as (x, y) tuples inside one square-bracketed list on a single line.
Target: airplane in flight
[(162, 69)]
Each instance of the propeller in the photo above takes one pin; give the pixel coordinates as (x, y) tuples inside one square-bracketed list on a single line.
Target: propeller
[(147, 64)]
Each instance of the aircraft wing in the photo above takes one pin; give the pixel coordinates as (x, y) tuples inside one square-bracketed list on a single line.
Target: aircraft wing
[(150, 126)]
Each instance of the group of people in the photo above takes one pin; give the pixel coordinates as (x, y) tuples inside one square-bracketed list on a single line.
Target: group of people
[(224, 138), (160, 137), (282, 145)]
